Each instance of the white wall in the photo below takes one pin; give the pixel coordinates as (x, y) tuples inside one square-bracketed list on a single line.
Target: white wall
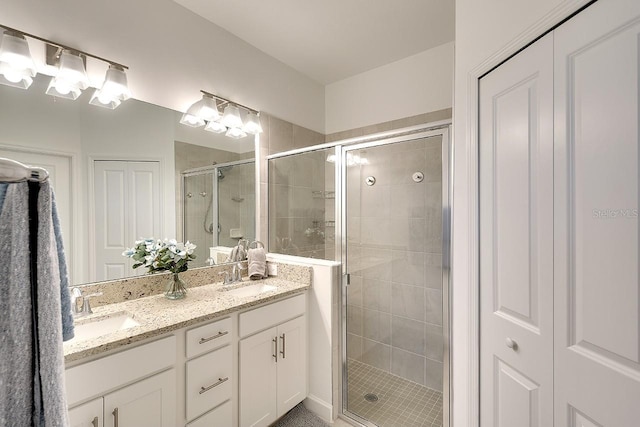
[(486, 32), (172, 54), (414, 85)]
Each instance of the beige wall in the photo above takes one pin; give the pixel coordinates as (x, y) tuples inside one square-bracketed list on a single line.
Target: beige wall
[(405, 88)]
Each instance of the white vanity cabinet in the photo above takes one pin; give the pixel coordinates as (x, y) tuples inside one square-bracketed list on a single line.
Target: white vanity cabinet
[(248, 368), (273, 362), (148, 400)]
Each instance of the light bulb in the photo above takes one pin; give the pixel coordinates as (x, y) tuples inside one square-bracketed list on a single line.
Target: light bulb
[(12, 75)]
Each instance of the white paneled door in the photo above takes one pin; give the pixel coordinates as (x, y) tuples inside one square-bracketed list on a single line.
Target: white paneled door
[(560, 242), (516, 240), (60, 172), (597, 335), (127, 207)]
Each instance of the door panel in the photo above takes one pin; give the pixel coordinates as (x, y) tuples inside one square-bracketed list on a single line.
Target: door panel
[(127, 208), (292, 357), (597, 342), (258, 379), (517, 397), (516, 246)]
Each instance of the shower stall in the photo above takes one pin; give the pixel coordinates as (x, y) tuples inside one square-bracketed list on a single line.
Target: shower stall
[(218, 206), (384, 213)]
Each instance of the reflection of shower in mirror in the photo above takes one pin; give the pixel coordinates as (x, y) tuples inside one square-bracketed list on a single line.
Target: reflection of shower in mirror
[(222, 212)]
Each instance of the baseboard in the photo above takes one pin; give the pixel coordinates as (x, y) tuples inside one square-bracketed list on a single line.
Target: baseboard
[(319, 407)]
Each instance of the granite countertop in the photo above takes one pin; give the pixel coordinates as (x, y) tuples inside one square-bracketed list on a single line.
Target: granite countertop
[(158, 315)]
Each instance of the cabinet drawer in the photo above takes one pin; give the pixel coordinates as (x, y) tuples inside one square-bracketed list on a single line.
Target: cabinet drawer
[(221, 416), (208, 337), (209, 379), (101, 375), (270, 315)]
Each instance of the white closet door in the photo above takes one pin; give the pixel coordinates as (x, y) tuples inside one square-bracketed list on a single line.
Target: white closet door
[(127, 207), (59, 168), (597, 313), (516, 240)]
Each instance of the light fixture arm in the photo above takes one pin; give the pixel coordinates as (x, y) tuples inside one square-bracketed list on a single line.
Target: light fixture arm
[(226, 101), (61, 46)]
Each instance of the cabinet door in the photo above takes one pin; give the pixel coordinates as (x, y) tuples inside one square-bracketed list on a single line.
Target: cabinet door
[(596, 231), (292, 364), (147, 403), (87, 415), (258, 379), (516, 240)]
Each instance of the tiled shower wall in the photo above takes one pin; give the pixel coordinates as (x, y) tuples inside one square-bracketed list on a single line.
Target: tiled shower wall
[(297, 205), (236, 202), (394, 255), (278, 136)]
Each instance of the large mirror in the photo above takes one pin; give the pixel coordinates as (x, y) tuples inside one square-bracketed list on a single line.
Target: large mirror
[(128, 173)]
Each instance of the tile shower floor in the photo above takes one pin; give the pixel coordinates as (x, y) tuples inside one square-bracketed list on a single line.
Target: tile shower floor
[(400, 403)]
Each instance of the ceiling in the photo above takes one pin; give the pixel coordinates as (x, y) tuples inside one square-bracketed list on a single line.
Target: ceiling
[(329, 40)]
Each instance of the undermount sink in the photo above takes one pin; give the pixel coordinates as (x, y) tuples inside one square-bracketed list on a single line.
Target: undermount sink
[(251, 290), (93, 328)]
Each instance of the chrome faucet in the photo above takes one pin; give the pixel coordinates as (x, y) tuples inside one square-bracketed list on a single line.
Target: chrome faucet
[(235, 276), (227, 277), (85, 310), (237, 272)]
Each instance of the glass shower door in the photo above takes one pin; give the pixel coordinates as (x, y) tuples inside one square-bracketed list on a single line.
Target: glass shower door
[(393, 248)]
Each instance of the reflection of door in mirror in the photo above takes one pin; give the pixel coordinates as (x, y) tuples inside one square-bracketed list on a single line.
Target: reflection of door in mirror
[(127, 209), (59, 168)]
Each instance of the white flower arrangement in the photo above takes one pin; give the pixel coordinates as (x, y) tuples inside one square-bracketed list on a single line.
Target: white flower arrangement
[(161, 255)]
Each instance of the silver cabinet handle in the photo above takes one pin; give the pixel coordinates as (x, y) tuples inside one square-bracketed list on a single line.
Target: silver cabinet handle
[(275, 355), (94, 423), (511, 344), (216, 384), (218, 335), (115, 417), (283, 346)]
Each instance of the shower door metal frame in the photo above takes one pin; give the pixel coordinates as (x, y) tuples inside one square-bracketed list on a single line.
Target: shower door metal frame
[(342, 149), (214, 196)]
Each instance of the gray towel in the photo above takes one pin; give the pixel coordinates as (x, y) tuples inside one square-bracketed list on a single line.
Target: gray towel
[(65, 300), (54, 404), (20, 404), (16, 368), (257, 260)]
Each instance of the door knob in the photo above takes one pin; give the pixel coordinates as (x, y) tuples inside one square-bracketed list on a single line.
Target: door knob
[(511, 344)]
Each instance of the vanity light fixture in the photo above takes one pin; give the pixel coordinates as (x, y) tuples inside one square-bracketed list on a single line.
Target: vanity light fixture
[(201, 111), (205, 111), (236, 133), (114, 90), (17, 68), (71, 78), (231, 117), (215, 127), (252, 123)]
